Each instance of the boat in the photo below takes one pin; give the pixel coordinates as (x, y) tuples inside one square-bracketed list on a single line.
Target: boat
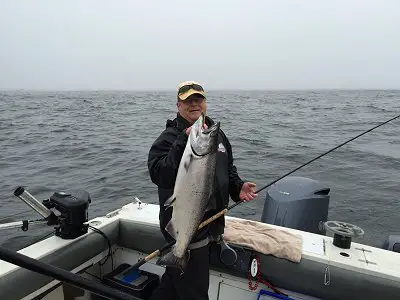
[(101, 253)]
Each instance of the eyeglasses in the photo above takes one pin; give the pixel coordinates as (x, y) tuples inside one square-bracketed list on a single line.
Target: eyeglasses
[(186, 88)]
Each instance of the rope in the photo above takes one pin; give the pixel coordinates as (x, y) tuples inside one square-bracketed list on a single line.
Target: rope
[(260, 279)]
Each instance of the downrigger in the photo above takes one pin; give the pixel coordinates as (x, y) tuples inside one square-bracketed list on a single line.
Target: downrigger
[(70, 216)]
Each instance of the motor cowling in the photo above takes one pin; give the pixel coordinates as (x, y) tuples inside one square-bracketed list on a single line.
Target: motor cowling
[(297, 202), (392, 243)]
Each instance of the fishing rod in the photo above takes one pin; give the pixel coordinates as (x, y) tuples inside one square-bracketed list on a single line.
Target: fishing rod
[(222, 212)]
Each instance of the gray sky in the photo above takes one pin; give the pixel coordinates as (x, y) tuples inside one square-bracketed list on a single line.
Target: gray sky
[(231, 44)]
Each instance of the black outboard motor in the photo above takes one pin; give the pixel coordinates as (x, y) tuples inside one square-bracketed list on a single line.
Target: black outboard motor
[(74, 213), (299, 203)]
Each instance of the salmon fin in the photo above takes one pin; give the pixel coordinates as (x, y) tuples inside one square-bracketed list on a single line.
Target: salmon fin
[(186, 164), (170, 202)]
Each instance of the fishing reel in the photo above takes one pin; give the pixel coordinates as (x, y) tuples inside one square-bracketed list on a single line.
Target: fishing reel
[(72, 220)]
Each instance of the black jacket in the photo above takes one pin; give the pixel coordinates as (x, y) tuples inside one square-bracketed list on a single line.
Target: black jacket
[(163, 163)]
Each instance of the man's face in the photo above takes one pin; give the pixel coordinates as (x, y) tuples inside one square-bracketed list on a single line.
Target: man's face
[(192, 107)]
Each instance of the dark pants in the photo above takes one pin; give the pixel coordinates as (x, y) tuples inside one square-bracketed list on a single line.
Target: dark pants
[(192, 284)]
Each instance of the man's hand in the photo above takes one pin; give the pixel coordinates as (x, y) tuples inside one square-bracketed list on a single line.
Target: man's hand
[(189, 128), (247, 193)]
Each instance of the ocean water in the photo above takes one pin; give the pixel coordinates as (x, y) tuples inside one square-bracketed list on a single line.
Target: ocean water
[(98, 141)]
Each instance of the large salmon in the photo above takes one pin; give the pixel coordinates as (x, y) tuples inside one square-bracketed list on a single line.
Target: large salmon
[(192, 191)]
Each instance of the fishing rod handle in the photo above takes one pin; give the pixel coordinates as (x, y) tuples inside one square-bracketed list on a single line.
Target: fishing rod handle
[(153, 254), (217, 215), (146, 259), (213, 218)]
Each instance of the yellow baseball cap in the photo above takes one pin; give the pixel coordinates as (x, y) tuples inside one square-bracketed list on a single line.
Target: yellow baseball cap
[(188, 88)]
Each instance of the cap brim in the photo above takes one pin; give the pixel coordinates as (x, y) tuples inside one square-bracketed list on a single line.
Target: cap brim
[(189, 93)]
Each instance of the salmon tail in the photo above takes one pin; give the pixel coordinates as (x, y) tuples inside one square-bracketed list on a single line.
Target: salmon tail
[(170, 260)]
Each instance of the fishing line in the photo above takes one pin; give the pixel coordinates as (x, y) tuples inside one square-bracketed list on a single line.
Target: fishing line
[(219, 214)]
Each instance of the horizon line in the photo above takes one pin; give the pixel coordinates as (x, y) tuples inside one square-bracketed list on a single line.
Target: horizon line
[(207, 90)]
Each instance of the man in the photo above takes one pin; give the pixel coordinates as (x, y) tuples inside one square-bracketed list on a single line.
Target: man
[(163, 163)]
